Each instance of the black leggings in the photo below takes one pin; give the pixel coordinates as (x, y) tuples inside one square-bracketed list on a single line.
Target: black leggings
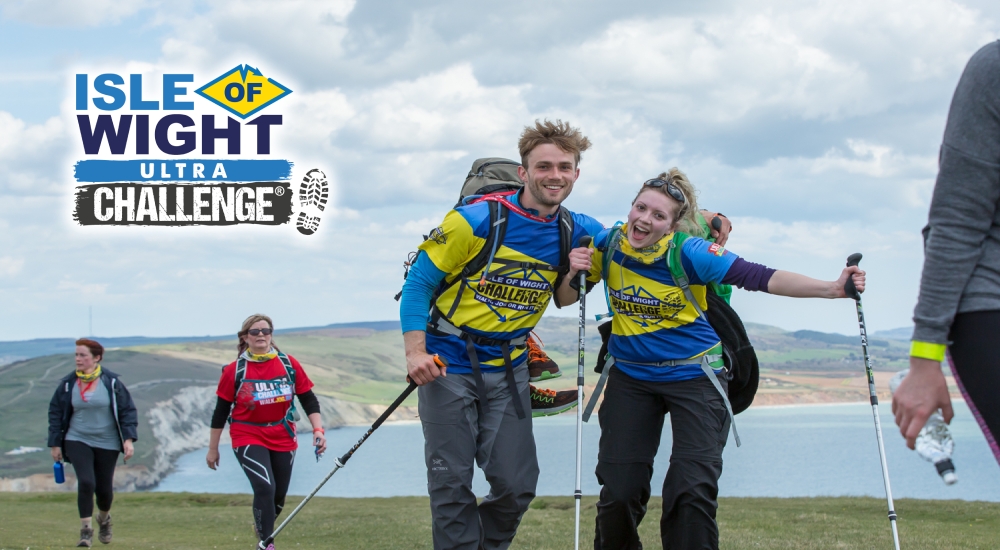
[(269, 473), (95, 474), (975, 361)]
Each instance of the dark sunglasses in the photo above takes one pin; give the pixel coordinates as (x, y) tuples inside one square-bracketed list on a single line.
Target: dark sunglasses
[(672, 189), (259, 331)]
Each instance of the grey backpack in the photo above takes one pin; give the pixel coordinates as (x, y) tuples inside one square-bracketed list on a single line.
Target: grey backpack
[(490, 175)]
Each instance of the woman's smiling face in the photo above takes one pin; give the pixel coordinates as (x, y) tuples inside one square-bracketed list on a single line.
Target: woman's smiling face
[(653, 215)]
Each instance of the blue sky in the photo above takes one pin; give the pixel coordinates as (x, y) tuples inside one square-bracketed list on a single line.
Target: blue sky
[(813, 125)]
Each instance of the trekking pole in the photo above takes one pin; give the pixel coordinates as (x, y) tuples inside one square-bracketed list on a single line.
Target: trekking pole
[(342, 461), (852, 292), (578, 493)]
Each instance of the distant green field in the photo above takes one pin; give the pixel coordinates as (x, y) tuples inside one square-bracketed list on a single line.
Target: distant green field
[(200, 521)]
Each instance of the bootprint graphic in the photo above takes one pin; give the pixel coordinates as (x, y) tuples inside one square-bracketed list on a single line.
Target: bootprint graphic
[(314, 191)]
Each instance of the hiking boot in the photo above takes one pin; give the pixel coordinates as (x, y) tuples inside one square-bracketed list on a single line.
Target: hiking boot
[(549, 402), (540, 366), (104, 529), (86, 537)]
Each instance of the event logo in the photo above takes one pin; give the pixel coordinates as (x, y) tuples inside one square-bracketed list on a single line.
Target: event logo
[(521, 290), (643, 308), (152, 159), (243, 91)]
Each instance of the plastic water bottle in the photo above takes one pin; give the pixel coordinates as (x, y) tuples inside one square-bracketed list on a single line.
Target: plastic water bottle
[(57, 470), (934, 442)]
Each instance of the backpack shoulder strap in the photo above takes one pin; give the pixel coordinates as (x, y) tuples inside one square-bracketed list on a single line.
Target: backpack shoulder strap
[(566, 229), (289, 369), (676, 266), (499, 213), (607, 252), (482, 260), (609, 247), (238, 376)]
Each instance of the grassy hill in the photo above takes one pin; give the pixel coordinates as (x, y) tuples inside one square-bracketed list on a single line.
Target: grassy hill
[(28, 387), (198, 521), (364, 364)]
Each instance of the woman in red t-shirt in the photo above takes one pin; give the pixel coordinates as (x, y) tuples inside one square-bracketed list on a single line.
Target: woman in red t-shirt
[(261, 417)]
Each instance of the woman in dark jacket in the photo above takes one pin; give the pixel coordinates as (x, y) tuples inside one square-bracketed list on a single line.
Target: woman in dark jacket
[(91, 420)]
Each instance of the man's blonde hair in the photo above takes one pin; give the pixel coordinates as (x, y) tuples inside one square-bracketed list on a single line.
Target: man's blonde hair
[(558, 133)]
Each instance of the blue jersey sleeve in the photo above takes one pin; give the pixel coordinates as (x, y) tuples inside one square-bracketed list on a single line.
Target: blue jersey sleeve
[(590, 225), (423, 279), (705, 262)]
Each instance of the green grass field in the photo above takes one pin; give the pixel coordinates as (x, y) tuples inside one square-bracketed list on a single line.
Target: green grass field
[(200, 521)]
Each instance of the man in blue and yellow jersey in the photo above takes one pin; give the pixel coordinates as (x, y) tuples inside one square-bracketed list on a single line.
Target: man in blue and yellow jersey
[(479, 323)]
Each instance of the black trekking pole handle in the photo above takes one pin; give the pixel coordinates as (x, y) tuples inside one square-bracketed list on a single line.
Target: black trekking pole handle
[(849, 288), (339, 463)]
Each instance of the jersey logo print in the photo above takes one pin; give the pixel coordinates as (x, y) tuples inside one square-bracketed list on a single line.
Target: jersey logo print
[(267, 393), (437, 235), (520, 290), (643, 308), (245, 396)]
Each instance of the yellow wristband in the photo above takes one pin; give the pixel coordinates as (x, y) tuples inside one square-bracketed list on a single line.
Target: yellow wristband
[(927, 350)]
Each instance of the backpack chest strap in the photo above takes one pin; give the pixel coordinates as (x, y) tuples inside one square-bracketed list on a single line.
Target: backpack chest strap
[(439, 325), (709, 358)]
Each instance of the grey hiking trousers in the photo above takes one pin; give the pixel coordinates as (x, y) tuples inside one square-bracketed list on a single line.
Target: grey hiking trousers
[(455, 435)]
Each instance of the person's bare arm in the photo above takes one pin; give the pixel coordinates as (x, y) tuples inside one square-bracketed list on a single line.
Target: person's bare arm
[(212, 458), (786, 283)]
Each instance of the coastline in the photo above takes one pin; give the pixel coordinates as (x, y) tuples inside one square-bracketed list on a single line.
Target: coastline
[(181, 424)]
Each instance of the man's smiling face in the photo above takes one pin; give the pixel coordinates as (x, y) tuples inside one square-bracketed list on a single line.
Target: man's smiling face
[(549, 174)]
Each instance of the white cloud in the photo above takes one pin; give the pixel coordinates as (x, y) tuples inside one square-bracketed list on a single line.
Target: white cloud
[(29, 155), (825, 60), (73, 13), (813, 125)]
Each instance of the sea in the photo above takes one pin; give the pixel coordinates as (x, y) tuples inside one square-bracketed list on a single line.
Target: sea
[(787, 451)]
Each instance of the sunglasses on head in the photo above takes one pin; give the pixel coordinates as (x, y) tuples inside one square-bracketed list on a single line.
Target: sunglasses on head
[(672, 189), (259, 331)]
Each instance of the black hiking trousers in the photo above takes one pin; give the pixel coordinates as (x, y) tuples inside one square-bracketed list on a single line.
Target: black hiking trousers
[(631, 418)]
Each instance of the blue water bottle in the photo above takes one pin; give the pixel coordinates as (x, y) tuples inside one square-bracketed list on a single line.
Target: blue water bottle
[(57, 469)]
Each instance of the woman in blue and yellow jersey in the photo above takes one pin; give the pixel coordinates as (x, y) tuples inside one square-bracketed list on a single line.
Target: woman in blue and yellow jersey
[(663, 351)]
